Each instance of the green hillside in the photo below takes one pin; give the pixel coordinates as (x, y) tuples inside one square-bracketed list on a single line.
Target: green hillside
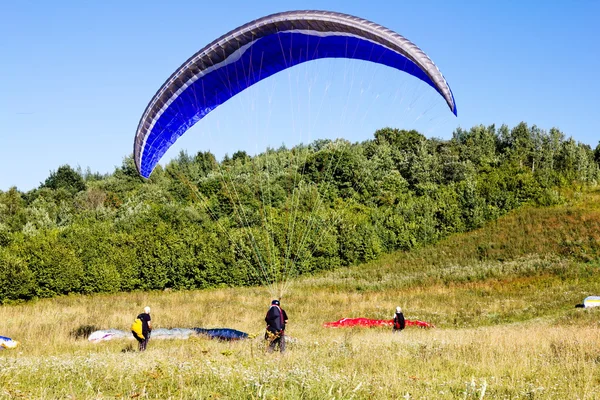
[(502, 298), (534, 262), (268, 218)]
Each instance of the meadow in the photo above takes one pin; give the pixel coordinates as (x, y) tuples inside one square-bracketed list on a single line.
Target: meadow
[(502, 298)]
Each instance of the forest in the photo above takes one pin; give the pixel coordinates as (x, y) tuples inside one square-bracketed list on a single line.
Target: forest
[(199, 222)]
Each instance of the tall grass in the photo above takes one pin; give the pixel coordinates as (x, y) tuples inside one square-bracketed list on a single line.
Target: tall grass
[(533, 360), (502, 299)]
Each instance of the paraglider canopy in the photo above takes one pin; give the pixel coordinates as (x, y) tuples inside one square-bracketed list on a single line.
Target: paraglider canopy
[(368, 323), (8, 343), (591, 301), (259, 49)]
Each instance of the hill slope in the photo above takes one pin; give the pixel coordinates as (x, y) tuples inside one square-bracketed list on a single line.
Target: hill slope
[(533, 262), (501, 297)]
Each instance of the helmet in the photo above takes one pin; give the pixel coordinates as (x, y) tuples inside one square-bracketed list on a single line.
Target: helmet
[(147, 310), (275, 302), (398, 309)]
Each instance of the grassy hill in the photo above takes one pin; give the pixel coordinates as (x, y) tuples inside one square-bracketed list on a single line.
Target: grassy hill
[(502, 299), (531, 263)]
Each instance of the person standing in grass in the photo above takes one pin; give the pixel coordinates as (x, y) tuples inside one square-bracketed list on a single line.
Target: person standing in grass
[(142, 328), (276, 319), (399, 322)]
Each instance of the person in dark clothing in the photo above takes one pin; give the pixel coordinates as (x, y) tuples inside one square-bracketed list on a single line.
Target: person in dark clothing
[(276, 319), (146, 329), (399, 322)]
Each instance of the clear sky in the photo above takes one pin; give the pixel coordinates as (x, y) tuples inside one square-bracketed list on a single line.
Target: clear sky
[(75, 76)]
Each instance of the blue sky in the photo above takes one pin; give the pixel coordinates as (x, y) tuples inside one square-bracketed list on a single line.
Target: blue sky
[(77, 75)]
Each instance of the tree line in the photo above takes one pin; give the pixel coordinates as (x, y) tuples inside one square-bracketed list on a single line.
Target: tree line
[(199, 222)]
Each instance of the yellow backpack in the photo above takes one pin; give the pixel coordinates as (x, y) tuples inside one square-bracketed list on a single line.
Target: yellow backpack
[(136, 328)]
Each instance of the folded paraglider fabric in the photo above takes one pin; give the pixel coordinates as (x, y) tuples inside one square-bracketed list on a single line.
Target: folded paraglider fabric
[(222, 333), (174, 333), (108, 334), (366, 322), (591, 301), (8, 343)]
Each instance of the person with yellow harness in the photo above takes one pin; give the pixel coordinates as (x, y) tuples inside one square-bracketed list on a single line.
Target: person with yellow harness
[(142, 328)]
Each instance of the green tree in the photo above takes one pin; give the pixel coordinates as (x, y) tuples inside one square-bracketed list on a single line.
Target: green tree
[(66, 178)]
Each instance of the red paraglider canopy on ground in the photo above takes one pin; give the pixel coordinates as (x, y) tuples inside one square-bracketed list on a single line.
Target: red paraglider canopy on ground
[(366, 322)]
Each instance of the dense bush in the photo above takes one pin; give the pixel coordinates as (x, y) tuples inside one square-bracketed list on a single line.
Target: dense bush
[(199, 223)]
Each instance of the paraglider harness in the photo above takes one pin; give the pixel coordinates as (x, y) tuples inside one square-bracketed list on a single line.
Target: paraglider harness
[(138, 331)]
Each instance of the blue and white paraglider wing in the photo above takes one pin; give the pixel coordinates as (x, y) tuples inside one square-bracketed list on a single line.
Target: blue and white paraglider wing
[(259, 49), (164, 333), (8, 343)]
